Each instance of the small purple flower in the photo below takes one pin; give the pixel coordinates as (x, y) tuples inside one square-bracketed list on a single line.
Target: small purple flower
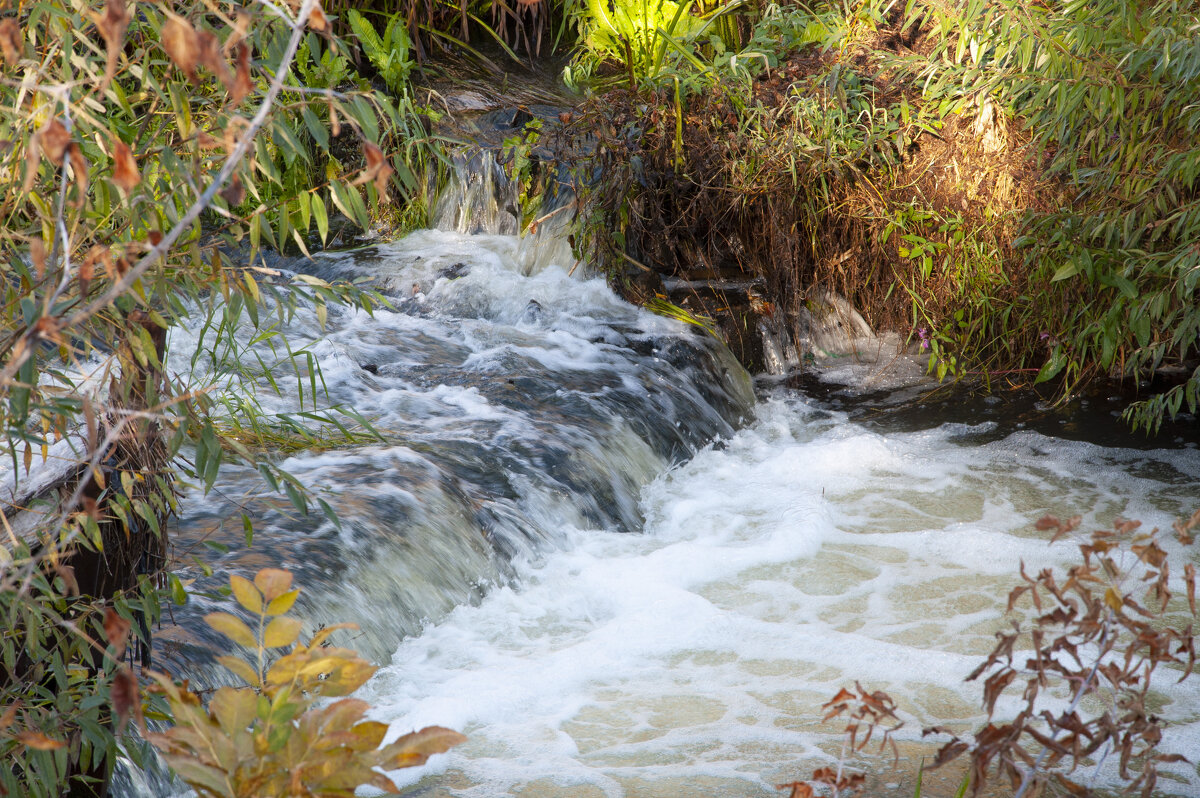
[(923, 336)]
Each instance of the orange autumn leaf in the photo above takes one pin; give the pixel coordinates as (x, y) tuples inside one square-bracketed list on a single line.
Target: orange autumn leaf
[(116, 629), (125, 697), (38, 741), (317, 20), (180, 41), (54, 139), (377, 169), (112, 25), (125, 171)]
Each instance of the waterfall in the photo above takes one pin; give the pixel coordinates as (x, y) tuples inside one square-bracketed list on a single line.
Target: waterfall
[(583, 543)]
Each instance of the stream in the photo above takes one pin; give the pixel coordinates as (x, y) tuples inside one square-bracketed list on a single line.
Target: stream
[(593, 545)]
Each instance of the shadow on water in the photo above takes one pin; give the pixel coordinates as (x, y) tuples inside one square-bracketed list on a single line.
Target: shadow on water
[(1092, 415)]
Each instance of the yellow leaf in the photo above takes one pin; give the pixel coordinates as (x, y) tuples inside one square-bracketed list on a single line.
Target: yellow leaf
[(234, 709), (371, 733), (347, 678), (321, 636), (282, 631), (240, 668), (246, 594), (282, 604), (318, 665), (272, 582), (232, 627), (1113, 599), (308, 279), (253, 286), (414, 748)]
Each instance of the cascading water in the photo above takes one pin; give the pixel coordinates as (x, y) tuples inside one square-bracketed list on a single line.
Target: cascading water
[(518, 401), (804, 554), (783, 550)]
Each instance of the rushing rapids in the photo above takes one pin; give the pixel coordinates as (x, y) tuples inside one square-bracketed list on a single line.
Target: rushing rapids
[(584, 545)]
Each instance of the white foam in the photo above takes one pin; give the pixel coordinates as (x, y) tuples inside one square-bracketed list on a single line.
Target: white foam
[(799, 557)]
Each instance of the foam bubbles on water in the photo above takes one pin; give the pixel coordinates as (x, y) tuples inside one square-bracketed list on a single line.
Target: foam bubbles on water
[(803, 554)]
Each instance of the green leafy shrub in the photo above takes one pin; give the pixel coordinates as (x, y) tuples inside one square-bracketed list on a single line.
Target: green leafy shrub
[(138, 140), (389, 52), (646, 41), (1110, 93)]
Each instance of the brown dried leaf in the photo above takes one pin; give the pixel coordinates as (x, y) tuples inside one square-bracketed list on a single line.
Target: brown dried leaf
[(242, 84), (87, 268), (48, 328), (825, 775), (1046, 522), (1151, 554), (211, 58), (37, 253), (377, 169), (1189, 576), (799, 789), (838, 702), (79, 171), (112, 25), (994, 686), (182, 44), (38, 741), (33, 154), (381, 180), (125, 697), (10, 40), (852, 784), (54, 139), (116, 629), (125, 171), (234, 193), (317, 20), (948, 753)]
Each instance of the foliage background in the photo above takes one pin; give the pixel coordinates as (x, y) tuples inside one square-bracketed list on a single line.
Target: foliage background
[(1013, 182)]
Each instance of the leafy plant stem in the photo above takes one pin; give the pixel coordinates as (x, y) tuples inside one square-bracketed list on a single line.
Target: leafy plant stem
[(1080, 692)]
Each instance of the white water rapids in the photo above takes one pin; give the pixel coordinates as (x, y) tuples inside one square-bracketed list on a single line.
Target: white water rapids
[(800, 556), (590, 558)]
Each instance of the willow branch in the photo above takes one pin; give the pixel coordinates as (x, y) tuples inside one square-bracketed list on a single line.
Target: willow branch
[(159, 250)]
